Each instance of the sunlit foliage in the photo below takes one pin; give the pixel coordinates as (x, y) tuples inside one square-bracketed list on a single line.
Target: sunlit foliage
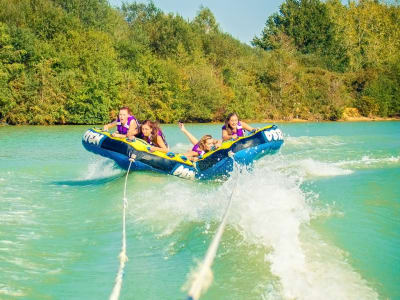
[(77, 61)]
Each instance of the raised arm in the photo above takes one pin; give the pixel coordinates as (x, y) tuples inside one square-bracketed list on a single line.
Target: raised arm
[(192, 139)]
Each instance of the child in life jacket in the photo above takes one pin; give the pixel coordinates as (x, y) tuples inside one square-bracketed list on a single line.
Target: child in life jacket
[(127, 125), (234, 128), (152, 134), (200, 147)]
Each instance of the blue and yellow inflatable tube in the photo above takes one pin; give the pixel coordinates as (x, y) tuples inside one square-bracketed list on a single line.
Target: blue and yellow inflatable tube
[(216, 163)]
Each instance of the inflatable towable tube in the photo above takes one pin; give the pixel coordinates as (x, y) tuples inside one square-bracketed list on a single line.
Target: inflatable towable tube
[(218, 162)]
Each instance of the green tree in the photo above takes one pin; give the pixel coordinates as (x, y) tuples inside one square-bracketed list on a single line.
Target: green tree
[(308, 23)]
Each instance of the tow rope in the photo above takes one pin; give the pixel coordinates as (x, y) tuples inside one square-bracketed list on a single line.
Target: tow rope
[(123, 258), (202, 278)]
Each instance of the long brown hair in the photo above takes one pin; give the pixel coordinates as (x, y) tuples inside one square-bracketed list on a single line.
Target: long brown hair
[(228, 127), (202, 142), (159, 132), (154, 130)]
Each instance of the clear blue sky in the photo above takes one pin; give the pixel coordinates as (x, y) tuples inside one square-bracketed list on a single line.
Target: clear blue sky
[(242, 19)]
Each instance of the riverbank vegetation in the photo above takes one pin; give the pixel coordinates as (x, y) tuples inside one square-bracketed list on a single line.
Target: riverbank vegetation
[(77, 61)]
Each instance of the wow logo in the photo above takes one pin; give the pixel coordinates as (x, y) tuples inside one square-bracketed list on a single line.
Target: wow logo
[(183, 172), (273, 134), (92, 137)]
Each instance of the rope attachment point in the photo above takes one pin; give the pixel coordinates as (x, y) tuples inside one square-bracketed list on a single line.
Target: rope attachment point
[(132, 159)]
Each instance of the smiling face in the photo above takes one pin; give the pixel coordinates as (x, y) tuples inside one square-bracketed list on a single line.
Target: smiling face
[(123, 116), (209, 144), (233, 121), (146, 130)]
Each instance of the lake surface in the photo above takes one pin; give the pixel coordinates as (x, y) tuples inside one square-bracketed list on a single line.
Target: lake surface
[(318, 220)]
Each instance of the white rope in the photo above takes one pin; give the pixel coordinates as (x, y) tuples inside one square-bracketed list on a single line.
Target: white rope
[(204, 276), (123, 258)]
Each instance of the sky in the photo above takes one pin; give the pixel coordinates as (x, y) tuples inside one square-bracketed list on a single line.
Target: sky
[(243, 19)]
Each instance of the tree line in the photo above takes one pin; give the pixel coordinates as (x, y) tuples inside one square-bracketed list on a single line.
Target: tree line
[(77, 61)]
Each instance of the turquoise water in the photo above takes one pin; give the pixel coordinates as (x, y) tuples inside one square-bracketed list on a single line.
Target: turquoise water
[(319, 220)]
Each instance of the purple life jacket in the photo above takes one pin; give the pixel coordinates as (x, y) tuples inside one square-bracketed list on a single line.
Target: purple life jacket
[(196, 148), (123, 129), (160, 133), (239, 129), (150, 141)]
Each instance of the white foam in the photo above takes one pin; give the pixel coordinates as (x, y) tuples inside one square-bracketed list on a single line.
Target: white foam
[(369, 162), (177, 201), (303, 169), (314, 168), (269, 210), (8, 291), (101, 168), (181, 147), (313, 141), (272, 210)]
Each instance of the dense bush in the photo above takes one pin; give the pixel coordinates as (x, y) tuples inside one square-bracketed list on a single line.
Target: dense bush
[(76, 62)]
